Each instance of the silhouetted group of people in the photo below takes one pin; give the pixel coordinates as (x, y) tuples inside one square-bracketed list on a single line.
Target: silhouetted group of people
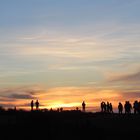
[(36, 105), (128, 107), (106, 107)]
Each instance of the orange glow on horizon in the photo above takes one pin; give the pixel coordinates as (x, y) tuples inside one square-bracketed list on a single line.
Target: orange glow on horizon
[(72, 97)]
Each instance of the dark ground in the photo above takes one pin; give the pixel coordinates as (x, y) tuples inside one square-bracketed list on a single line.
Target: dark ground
[(68, 125)]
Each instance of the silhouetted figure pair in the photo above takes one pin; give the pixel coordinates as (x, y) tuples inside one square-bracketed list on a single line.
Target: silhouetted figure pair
[(83, 106), (36, 104), (109, 108), (127, 107)]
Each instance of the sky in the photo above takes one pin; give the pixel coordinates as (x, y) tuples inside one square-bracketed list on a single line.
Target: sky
[(65, 51)]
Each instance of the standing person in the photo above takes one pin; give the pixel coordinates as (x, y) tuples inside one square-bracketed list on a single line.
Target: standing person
[(120, 108), (105, 107), (139, 107), (83, 106), (110, 108), (32, 105), (126, 107), (37, 104), (102, 106), (129, 107), (135, 106)]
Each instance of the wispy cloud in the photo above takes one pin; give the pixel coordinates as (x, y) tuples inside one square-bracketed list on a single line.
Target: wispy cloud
[(20, 96), (133, 77), (135, 95)]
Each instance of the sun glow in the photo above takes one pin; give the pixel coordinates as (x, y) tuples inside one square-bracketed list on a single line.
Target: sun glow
[(56, 105), (69, 98)]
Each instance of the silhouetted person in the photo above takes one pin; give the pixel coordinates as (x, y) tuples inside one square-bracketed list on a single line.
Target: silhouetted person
[(110, 108), (125, 107), (61, 109), (139, 107), (32, 105), (83, 106), (102, 106), (58, 109), (105, 107), (136, 107), (129, 107), (37, 104), (77, 108), (120, 108), (15, 109)]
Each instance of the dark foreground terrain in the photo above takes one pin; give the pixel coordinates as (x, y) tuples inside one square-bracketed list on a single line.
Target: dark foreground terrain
[(68, 125)]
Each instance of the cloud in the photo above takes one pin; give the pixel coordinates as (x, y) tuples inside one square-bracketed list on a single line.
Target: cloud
[(131, 95), (6, 105), (21, 96), (24, 93), (134, 77), (6, 99)]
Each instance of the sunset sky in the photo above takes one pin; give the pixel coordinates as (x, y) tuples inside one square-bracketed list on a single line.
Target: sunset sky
[(65, 51)]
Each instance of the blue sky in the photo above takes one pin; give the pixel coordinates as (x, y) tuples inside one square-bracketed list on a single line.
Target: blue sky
[(71, 45)]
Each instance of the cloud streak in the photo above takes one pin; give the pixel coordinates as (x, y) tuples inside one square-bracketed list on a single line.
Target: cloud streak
[(20, 96), (134, 77)]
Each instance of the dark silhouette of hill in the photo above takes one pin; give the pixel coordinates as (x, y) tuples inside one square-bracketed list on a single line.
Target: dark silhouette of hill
[(68, 125)]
